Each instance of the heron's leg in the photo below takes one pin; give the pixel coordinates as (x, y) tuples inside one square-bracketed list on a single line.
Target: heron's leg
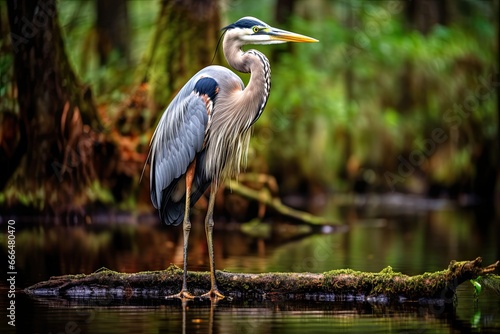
[(186, 226), (209, 225)]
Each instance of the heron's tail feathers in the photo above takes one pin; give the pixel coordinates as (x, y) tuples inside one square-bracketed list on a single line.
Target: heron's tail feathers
[(172, 212), (173, 199)]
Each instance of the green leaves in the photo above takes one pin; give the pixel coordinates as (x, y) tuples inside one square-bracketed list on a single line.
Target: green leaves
[(373, 86), (477, 287)]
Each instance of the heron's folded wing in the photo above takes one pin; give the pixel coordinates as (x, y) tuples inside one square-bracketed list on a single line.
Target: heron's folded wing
[(179, 136)]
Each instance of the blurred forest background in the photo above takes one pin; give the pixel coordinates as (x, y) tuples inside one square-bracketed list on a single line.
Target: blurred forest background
[(397, 96)]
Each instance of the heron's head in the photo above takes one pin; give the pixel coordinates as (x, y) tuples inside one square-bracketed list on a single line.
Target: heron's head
[(249, 30)]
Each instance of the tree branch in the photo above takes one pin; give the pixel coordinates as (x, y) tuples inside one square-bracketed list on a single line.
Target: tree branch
[(265, 197)]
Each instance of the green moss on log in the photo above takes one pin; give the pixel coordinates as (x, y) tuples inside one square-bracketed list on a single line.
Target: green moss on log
[(332, 285)]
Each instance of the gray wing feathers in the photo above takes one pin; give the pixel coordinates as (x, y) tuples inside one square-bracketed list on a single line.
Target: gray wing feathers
[(178, 137), (180, 134)]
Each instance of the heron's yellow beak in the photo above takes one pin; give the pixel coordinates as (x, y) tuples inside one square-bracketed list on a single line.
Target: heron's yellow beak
[(287, 36)]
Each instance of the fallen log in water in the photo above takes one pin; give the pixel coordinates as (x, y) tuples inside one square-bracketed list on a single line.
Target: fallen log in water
[(344, 284)]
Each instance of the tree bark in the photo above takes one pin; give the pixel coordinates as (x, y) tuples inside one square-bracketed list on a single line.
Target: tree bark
[(423, 15), (496, 199), (283, 13), (57, 113), (184, 41), (113, 29), (344, 284)]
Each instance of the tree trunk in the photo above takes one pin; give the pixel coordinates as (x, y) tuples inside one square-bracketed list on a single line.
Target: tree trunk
[(496, 199), (333, 285), (113, 29), (57, 114), (423, 15), (184, 42), (283, 13)]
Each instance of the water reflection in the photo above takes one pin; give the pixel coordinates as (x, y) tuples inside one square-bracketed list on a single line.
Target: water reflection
[(410, 243), (161, 316)]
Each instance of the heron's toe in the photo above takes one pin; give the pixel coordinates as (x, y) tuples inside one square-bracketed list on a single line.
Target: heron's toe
[(213, 294), (184, 294)]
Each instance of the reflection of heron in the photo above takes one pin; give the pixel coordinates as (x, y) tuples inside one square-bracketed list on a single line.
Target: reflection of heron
[(204, 133)]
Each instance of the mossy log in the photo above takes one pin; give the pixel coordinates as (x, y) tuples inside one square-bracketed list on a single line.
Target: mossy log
[(341, 285)]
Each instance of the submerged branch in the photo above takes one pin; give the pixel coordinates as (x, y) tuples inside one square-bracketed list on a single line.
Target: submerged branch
[(344, 284), (265, 197)]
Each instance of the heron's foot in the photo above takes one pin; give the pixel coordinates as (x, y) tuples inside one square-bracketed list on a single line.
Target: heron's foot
[(184, 294), (213, 294)]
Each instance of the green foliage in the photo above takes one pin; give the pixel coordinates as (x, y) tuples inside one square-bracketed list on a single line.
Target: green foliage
[(490, 283), (477, 287), (372, 91), (98, 193), (108, 82)]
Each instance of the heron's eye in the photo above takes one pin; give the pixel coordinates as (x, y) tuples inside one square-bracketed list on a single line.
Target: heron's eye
[(255, 29)]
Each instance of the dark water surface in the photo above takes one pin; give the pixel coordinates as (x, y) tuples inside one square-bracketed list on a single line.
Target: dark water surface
[(411, 241)]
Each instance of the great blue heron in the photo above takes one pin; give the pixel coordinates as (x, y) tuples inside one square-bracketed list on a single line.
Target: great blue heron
[(204, 133)]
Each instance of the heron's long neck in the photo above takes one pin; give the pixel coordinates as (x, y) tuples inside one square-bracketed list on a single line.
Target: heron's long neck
[(229, 134), (256, 93)]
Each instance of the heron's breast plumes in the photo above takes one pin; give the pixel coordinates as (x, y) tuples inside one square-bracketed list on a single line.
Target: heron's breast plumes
[(229, 137), (235, 110)]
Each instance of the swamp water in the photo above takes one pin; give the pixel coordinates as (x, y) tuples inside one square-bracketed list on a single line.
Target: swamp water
[(410, 242)]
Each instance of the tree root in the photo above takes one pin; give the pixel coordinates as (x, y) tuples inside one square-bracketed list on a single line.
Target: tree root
[(335, 285)]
